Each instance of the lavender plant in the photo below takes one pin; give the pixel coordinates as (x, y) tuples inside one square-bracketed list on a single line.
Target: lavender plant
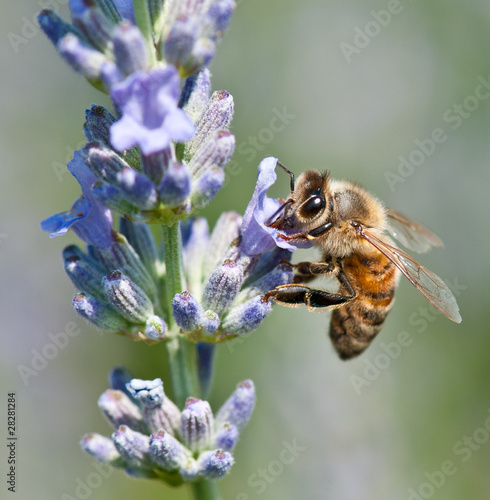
[(157, 158)]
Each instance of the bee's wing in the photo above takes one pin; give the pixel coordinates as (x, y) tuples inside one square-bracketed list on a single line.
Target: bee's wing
[(426, 282), (411, 234)]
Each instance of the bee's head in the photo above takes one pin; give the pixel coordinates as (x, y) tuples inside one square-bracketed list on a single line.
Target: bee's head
[(309, 204)]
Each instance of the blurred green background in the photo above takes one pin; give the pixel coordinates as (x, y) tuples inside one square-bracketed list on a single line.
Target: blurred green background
[(378, 427)]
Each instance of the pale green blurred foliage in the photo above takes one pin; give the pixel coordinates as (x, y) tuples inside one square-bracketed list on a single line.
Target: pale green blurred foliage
[(353, 118)]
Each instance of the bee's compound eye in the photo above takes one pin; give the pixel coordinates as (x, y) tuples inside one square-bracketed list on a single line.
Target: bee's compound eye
[(313, 206)]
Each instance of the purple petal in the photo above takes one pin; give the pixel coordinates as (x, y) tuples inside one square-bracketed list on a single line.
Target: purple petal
[(257, 238), (90, 220), (151, 116)]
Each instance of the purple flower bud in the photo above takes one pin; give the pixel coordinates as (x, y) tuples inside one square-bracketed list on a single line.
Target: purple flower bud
[(137, 188), (155, 328), (167, 452), (113, 198), (122, 256), (82, 272), (187, 311), (219, 16), (179, 44), (129, 48), (98, 121), (101, 448), (222, 287), (214, 464), (118, 409), (207, 186), (127, 297), (85, 60), (280, 275), (133, 447), (54, 27), (226, 230), (176, 185), (238, 408), (99, 313), (103, 162), (195, 94), (151, 119), (90, 20), (247, 316), (226, 436), (159, 412), (216, 115), (215, 152), (196, 425), (210, 322)]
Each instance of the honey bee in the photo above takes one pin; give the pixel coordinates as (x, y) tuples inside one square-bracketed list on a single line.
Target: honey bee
[(353, 230)]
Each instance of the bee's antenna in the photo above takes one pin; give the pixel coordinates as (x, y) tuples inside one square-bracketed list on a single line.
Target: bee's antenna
[(288, 172)]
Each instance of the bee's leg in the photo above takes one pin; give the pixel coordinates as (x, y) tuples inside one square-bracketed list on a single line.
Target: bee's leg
[(296, 295)]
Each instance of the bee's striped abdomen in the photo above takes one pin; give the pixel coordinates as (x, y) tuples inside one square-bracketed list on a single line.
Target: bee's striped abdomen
[(354, 326)]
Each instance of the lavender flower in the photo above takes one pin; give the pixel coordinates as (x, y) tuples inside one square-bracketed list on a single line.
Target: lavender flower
[(151, 117), (154, 439)]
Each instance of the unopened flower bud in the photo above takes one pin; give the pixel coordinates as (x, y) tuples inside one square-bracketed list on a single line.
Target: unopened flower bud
[(105, 163), (101, 314), (238, 408), (98, 121), (216, 116), (187, 311), (127, 297), (214, 464), (83, 272), (215, 152), (91, 21), (133, 447), (118, 409), (247, 316), (196, 425), (176, 185), (195, 94), (226, 436), (54, 27), (167, 452), (118, 378), (129, 48), (222, 287), (83, 59), (101, 448), (155, 328), (159, 412), (207, 186), (210, 322), (137, 188)]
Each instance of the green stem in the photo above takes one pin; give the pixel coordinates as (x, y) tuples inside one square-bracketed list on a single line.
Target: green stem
[(181, 351), (143, 21), (205, 490)]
